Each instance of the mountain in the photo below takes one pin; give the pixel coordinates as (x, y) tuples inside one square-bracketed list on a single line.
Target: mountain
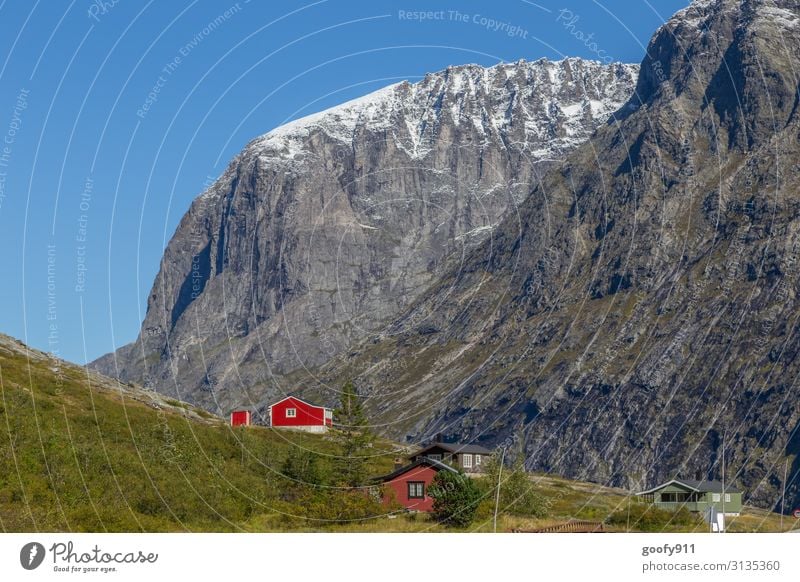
[(638, 314), (327, 228)]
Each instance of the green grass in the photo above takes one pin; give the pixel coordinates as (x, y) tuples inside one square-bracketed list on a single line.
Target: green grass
[(90, 456), (83, 453)]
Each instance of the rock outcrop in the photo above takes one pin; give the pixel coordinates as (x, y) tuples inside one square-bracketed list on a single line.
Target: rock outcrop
[(640, 307), (328, 227)]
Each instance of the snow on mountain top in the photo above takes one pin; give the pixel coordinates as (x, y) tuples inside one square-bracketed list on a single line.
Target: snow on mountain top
[(348, 113), (549, 100)]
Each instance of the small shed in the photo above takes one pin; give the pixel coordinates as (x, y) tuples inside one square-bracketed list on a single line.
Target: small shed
[(696, 496), (293, 413), (240, 418)]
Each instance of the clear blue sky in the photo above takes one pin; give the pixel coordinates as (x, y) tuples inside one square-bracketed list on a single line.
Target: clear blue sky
[(92, 185)]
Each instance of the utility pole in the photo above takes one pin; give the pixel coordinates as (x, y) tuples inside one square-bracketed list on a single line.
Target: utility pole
[(628, 522), (497, 497), (724, 436), (783, 495)]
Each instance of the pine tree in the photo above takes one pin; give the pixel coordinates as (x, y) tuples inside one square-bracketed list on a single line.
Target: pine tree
[(455, 498), (303, 467), (354, 436)]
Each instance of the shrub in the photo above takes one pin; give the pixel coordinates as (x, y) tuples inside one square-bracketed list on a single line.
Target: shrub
[(455, 498), (337, 506), (647, 517), (304, 467), (517, 494)]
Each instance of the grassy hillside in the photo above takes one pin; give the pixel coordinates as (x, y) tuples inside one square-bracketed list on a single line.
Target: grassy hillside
[(80, 452)]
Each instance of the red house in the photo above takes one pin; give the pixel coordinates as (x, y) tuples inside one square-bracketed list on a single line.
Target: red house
[(409, 485), (297, 414), (240, 418)]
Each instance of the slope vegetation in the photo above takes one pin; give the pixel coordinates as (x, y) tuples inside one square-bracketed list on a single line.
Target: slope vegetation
[(640, 313)]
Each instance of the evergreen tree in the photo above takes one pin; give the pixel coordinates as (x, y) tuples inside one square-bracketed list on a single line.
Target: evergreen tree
[(304, 467), (354, 436), (455, 498)]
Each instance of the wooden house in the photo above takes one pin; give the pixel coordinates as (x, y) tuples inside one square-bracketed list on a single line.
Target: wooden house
[(293, 413), (696, 496), (409, 485), (468, 458)]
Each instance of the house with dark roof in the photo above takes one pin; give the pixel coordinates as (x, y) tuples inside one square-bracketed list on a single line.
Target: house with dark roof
[(695, 496), (409, 485), (469, 458)]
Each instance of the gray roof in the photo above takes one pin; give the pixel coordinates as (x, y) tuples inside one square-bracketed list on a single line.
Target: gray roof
[(712, 486), (700, 486), (424, 461), (456, 448)]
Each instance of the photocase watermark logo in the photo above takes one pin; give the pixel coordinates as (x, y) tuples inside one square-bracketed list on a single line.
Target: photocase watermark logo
[(65, 557), (31, 555)]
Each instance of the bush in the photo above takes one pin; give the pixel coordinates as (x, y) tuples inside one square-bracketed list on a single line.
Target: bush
[(647, 517), (455, 498), (304, 467), (517, 495), (337, 506)]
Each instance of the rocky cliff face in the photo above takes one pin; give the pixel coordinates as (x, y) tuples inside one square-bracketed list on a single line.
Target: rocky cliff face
[(641, 304), (326, 228)]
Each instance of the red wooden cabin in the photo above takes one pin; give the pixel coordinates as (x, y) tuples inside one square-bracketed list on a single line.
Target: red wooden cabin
[(240, 418), (409, 485), (297, 414)]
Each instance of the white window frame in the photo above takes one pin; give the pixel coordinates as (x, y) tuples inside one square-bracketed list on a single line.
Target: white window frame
[(419, 489), (435, 457), (291, 413), (466, 460), (727, 498), (715, 497), (477, 459)]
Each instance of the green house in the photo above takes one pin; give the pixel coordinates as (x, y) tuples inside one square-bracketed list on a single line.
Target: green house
[(694, 496)]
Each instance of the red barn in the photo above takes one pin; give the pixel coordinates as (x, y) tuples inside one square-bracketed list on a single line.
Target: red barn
[(409, 485), (240, 418), (297, 414)]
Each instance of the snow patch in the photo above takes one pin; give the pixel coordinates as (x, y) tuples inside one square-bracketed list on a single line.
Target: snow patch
[(780, 16), (476, 231)]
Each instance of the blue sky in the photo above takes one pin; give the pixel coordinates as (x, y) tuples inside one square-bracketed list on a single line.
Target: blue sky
[(114, 115)]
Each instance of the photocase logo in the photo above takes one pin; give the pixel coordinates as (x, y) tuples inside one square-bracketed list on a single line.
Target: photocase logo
[(32, 555)]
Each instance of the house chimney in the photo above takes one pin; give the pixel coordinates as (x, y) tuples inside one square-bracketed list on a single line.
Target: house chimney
[(438, 438)]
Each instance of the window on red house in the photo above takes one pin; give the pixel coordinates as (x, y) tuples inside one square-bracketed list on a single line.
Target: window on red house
[(416, 489), (291, 412)]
